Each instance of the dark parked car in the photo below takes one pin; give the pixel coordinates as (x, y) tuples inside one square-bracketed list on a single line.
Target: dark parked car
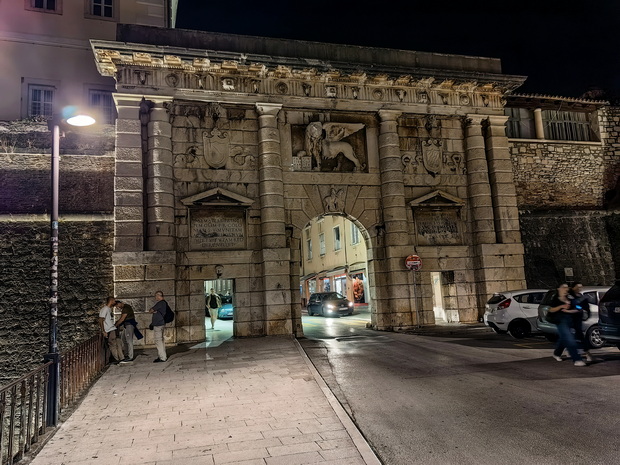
[(609, 315), (329, 304)]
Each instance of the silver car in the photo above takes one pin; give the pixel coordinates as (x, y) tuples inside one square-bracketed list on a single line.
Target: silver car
[(589, 325), (514, 312)]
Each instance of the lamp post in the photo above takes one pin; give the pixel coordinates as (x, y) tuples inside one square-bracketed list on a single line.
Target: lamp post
[(71, 117)]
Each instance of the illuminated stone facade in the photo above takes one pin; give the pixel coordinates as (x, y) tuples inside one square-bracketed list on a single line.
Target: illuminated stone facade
[(227, 146)]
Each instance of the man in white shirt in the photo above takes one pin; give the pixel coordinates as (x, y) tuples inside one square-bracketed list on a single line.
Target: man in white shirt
[(106, 323)]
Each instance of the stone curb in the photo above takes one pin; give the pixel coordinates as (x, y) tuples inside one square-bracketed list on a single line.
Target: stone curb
[(360, 442)]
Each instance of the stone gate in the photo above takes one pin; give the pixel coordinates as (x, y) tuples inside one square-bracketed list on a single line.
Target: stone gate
[(228, 145)]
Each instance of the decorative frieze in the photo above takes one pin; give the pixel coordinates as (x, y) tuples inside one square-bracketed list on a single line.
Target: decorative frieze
[(225, 75)]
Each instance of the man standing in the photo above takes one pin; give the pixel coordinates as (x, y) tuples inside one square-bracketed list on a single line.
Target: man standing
[(158, 326), (106, 323), (214, 302), (128, 321)]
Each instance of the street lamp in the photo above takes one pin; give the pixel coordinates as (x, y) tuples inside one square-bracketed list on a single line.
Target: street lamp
[(69, 116)]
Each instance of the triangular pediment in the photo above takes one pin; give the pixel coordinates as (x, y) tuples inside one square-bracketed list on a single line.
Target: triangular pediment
[(437, 199), (217, 197)]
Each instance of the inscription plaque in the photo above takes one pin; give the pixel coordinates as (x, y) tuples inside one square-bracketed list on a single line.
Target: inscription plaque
[(217, 230), (437, 228)]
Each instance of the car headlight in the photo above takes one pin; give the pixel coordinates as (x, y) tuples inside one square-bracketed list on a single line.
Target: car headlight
[(350, 304), (330, 306)]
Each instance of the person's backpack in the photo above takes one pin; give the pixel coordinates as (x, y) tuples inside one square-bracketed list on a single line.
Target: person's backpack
[(169, 315)]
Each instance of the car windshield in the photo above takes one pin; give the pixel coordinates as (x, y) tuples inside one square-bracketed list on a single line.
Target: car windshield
[(497, 298), (333, 296)]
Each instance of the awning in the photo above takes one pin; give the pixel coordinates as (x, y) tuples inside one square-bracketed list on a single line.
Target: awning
[(336, 272)]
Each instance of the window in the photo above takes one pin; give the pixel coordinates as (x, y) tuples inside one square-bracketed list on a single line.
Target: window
[(101, 101), (40, 100), (337, 238), (520, 123), (566, 125), (355, 234), (309, 249), (322, 243), (102, 8), (47, 6)]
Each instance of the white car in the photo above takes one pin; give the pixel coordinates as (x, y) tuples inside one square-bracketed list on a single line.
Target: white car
[(514, 312)]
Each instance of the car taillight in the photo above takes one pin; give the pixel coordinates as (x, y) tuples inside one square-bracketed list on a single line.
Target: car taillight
[(504, 304)]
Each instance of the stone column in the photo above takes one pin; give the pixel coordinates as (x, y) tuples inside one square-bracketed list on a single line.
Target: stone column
[(275, 254), (160, 184), (395, 307), (538, 124), (496, 266), (481, 206), (501, 178)]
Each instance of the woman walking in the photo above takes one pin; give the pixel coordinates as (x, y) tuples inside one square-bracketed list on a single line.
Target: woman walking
[(560, 306)]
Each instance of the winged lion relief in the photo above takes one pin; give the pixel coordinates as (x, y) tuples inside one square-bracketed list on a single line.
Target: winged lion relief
[(325, 149)]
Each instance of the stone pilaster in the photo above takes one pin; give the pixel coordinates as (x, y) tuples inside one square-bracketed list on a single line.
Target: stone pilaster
[(394, 303), (503, 192), (480, 204), (275, 253), (160, 184), (128, 180)]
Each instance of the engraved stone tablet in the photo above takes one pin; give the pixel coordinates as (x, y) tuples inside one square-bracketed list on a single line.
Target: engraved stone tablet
[(437, 228), (213, 229)]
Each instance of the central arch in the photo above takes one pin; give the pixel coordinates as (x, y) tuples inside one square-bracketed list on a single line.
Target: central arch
[(334, 258)]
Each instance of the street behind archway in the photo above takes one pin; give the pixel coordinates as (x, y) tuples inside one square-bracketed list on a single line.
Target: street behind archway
[(468, 396)]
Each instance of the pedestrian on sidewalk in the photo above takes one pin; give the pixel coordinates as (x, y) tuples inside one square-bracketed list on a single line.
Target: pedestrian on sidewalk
[(158, 325), (109, 330), (560, 304), (128, 323), (214, 302)]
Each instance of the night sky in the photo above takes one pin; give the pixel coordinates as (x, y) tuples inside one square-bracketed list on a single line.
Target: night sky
[(565, 48)]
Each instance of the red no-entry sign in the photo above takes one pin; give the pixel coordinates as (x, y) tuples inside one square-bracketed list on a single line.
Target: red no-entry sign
[(413, 263)]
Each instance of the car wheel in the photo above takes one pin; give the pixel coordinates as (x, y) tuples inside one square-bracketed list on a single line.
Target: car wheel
[(551, 337), (519, 329), (593, 336)]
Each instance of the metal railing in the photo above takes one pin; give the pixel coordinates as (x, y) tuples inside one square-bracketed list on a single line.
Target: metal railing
[(24, 402)]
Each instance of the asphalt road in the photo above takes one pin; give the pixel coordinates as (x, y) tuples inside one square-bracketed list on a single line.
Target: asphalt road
[(470, 398)]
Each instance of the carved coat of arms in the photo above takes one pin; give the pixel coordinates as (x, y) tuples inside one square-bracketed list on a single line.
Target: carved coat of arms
[(431, 156), (217, 147)]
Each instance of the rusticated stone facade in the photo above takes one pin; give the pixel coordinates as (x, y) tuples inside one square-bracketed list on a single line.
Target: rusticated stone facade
[(222, 161)]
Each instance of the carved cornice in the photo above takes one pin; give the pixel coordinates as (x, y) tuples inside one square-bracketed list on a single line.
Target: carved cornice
[(155, 67)]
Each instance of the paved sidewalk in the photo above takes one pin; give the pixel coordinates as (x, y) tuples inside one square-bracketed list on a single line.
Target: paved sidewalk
[(248, 401)]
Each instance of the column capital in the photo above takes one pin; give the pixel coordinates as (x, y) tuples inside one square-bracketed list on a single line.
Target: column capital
[(389, 115), (270, 109), (474, 119), (497, 120)]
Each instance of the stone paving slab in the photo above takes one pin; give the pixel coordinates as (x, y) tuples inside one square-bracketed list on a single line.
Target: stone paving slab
[(248, 401)]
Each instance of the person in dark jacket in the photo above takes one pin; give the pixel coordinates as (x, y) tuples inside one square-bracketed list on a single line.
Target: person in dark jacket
[(581, 305), (127, 321), (158, 324)]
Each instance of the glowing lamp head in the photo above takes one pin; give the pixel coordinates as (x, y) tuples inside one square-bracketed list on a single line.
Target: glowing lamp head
[(72, 116)]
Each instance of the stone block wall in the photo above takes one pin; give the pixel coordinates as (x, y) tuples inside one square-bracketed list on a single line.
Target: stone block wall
[(565, 190), (85, 279), (85, 233), (577, 240)]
